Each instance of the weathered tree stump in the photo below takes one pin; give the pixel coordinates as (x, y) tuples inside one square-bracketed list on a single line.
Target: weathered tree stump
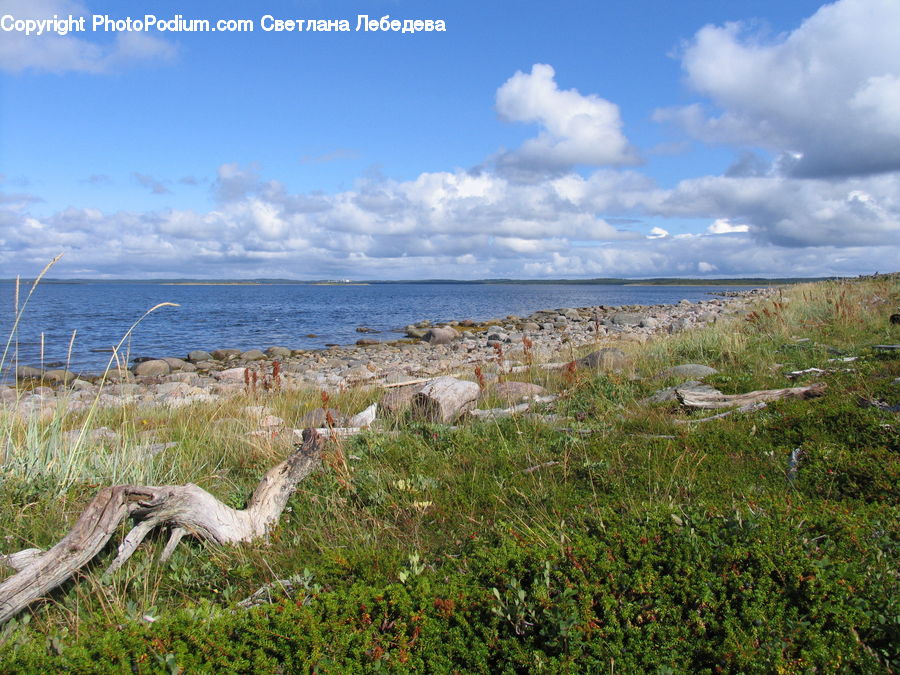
[(444, 399)]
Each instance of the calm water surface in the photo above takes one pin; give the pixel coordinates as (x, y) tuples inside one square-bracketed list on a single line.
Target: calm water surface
[(259, 316)]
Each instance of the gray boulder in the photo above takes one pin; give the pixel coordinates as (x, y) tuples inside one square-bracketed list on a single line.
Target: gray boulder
[(199, 355), (236, 375), (415, 331), (59, 376), (179, 366), (627, 318), (440, 336), (253, 355), (278, 352), (225, 354), (693, 370), (28, 372), (607, 359), (513, 392), (152, 368)]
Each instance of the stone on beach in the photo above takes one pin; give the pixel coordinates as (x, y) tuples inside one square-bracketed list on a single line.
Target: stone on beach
[(513, 392), (627, 318), (226, 354), (440, 336), (28, 372), (279, 352), (58, 376), (179, 365), (692, 370), (607, 359), (152, 368)]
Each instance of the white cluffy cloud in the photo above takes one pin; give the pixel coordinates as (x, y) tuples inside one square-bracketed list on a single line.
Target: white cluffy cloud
[(724, 226), (826, 95), (576, 130), (56, 53)]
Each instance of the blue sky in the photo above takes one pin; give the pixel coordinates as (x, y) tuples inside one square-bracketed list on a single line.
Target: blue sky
[(573, 139)]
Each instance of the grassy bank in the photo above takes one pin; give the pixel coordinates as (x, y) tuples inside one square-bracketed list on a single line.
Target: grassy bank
[(614, 539)]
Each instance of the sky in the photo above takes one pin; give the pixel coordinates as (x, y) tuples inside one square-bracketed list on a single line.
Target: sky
[(602, 138)]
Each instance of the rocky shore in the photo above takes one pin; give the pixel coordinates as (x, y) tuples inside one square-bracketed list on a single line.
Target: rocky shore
[(457, 347)]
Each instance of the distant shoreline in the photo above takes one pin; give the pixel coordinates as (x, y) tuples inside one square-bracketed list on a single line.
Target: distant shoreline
[(209, 283), (660, 281)]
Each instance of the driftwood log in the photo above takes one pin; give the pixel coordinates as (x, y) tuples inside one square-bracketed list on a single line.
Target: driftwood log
[(187, 509), (444, 399), (694, 399), (496, 413), (749, 407)]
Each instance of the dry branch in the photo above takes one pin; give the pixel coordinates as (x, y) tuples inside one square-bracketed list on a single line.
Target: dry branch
[(693, 399), (496, 413), (186, 508), (749, 407), (418, 380)]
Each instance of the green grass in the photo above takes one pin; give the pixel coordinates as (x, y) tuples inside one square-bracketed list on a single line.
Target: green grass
[(640, 545)]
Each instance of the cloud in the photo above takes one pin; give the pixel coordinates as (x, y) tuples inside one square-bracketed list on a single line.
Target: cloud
[(756, 220), (458, 224), (233, 182), (724, 226), (51, 52), (333, 156), (98, 179), (17, 201), (155, 186), (827, 94), (576, 130), (792, 212)]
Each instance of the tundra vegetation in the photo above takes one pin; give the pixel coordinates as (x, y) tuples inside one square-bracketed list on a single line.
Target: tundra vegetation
[(594, 533)]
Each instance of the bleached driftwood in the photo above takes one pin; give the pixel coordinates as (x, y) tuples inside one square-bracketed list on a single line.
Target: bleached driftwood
[(749, 407), (693, 399), (364, 418), (495, 413), (267, 593), (541, 366), (537, 467), (337, 432), (406, 383), (444, 399), (186, 508), (794, 374)]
